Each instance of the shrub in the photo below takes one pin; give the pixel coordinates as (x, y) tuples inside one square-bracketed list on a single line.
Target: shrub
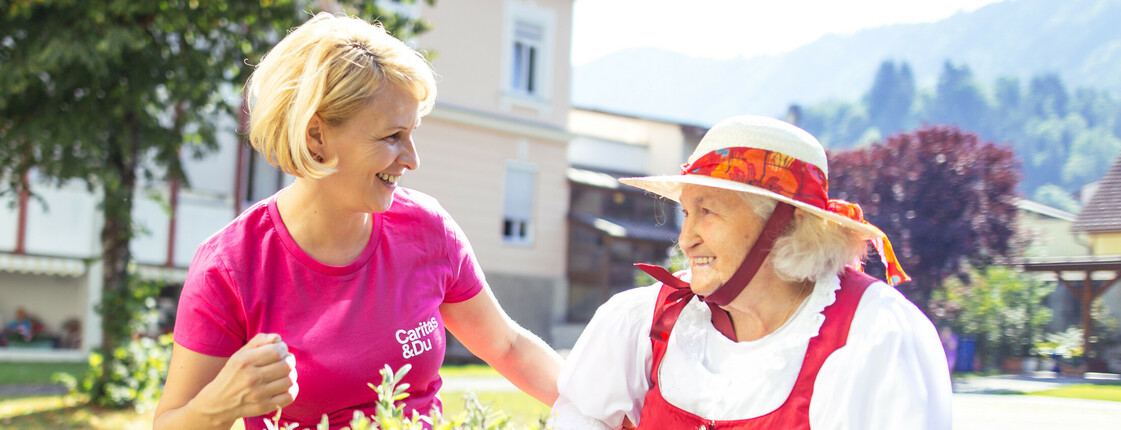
[(1000, 307), (134, 374), (391, 412)]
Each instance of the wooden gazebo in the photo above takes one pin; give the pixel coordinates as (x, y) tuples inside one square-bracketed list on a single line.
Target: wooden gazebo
[(1088, 277), (1079, 275)]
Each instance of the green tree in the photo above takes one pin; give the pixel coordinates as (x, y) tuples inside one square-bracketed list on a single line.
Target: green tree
[(891, 96), (1046, 146), (1008, 99), (1091, 154), (1004, 309), (112, 91), (960, 101), (1047, 96), (837, 125)]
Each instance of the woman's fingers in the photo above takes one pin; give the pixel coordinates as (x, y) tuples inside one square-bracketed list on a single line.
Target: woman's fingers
[(267, 373), (262, 353)]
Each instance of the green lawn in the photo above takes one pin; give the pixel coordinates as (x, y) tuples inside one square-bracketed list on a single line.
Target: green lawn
[(522, 409), (14, 373), (1111, 392), (467, 370)]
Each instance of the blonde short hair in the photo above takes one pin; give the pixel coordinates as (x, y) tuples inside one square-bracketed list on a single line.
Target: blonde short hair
[(331, 66), (811, 247)]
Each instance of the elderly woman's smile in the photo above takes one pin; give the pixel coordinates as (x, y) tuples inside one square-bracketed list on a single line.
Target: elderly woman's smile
[(719, 228)]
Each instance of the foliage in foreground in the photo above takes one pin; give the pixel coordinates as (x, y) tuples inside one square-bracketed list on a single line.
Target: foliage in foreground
[(391, 414), (1002, 308), (133, 376)]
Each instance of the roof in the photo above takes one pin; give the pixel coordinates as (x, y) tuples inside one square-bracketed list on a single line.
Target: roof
[(593, 178), (599, 178), (1042, 209), (1093, 262), (1103, 213), (627, 229)]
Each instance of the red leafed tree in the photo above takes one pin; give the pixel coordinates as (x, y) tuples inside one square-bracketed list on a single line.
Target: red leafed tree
[(943, 197)]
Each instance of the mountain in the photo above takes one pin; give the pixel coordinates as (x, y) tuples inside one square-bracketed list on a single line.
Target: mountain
[(1077, 39)]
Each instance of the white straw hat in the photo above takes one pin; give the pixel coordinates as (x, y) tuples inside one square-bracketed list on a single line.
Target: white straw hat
[(762, 156)]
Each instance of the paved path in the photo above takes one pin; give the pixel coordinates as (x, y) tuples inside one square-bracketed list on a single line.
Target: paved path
[(477, 384), (1017, 412), (997, 402), (31, 390), (1019, 384)]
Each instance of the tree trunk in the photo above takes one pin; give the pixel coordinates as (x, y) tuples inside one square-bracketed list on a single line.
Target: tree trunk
[(115, 237)]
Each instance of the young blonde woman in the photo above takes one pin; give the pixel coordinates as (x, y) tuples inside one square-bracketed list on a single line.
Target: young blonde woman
[(785, 331), (299, 301)]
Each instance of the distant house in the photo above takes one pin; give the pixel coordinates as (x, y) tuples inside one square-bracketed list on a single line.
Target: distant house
[(1093, 275), (1047, 231), (493, 152), (612, 226), (1100, 220)]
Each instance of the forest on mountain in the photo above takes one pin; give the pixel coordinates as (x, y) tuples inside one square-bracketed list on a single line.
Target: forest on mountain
[(1063, 138)]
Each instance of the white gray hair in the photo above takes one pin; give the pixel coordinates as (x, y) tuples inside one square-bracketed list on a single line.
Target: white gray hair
[(810, 247)]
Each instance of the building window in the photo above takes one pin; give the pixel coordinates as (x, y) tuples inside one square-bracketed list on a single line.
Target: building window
[(527, 48), (517, 206), (262, 179), (528, 52)]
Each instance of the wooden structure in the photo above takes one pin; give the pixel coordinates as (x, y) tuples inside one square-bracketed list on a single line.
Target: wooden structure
[(611, 227), (1087, 278)]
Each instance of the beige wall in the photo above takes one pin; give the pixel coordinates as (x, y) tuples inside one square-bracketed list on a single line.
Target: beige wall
[(1051, 237), (463, 166), (478, 125), (470, 43), (1106, 243), (665, 142)]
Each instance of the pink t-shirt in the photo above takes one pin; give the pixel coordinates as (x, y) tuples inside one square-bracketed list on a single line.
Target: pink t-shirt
[(342, 323)]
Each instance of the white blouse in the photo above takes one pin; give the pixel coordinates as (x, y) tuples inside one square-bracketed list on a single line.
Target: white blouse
[(891, 374)]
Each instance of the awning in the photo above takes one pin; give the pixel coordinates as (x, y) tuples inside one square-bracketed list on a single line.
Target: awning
[(42, 265), (170, 275), (627, 229)]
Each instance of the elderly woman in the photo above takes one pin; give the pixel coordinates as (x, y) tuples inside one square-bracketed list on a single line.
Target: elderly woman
[(343, 272), (787, 332)]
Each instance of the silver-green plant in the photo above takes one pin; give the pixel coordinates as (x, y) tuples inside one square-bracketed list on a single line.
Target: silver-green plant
[(390, 412)]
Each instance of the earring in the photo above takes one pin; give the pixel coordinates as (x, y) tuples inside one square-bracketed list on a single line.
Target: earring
[(318, 158)]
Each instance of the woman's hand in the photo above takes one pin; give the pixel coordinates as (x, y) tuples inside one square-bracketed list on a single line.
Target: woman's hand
[(212, 392), (258, 379)]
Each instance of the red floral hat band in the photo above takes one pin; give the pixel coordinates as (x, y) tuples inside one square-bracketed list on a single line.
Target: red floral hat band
[(772, 171), (794, 179)]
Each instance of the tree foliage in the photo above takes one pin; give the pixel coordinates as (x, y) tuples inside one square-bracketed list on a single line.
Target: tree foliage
[(891, 97), (1064, 139), (943, 197), (110, 92), (1003, 309)]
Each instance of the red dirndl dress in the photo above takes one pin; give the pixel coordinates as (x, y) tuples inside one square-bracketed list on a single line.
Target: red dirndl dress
[(794, 413)]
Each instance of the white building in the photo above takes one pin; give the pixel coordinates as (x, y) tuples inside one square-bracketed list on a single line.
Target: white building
[(492, 151)]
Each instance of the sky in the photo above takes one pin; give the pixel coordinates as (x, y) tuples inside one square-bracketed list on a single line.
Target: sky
[(725, 29)]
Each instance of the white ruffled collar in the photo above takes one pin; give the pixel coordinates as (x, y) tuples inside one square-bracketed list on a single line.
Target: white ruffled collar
[(695, 333)]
